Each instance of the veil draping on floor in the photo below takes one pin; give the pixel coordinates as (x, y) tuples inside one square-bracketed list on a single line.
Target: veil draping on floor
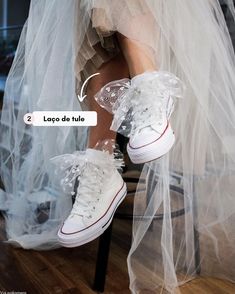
[(187, 38)]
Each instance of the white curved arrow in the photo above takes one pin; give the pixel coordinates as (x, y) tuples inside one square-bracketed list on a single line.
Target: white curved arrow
[(81, 97)]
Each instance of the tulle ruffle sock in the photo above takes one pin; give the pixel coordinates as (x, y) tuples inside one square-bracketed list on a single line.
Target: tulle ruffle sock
[(128, 99)]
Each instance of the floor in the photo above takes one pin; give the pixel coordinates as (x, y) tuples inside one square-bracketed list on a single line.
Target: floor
[(72, 270)]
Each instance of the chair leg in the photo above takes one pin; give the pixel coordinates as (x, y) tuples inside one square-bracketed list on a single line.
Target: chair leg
[(148, 198), (102, 260), (195, 232), (197, 251)]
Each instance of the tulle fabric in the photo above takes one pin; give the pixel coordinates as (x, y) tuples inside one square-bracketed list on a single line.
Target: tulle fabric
[(187, 38), (123, 98), (69, 167), (41, 78)]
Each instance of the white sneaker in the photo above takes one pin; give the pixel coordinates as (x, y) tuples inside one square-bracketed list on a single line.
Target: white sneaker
[(151, 136), (100, 191), (142, 108)]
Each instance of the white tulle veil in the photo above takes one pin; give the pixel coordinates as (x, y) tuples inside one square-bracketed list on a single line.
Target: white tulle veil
[(187, 38)]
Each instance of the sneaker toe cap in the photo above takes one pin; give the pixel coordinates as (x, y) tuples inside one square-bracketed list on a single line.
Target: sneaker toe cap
[(147, 136), (72, 226)]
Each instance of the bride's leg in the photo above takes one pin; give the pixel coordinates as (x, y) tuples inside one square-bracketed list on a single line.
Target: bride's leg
[(151, 135), (138, 56), (114, 69), (101, 187)]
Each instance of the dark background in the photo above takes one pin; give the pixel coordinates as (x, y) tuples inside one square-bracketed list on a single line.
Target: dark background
[(13, 14)]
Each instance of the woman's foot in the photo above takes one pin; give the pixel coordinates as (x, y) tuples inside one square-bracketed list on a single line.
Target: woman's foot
[(151, 135), (142, 108), (100, 191)]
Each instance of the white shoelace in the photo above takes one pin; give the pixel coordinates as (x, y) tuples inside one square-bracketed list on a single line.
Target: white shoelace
[(91, 175), (145, 115), (88, 191)]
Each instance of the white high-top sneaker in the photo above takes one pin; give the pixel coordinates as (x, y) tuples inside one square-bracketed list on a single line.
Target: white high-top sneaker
[(100, 191), (142, 108), (151, 136)]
